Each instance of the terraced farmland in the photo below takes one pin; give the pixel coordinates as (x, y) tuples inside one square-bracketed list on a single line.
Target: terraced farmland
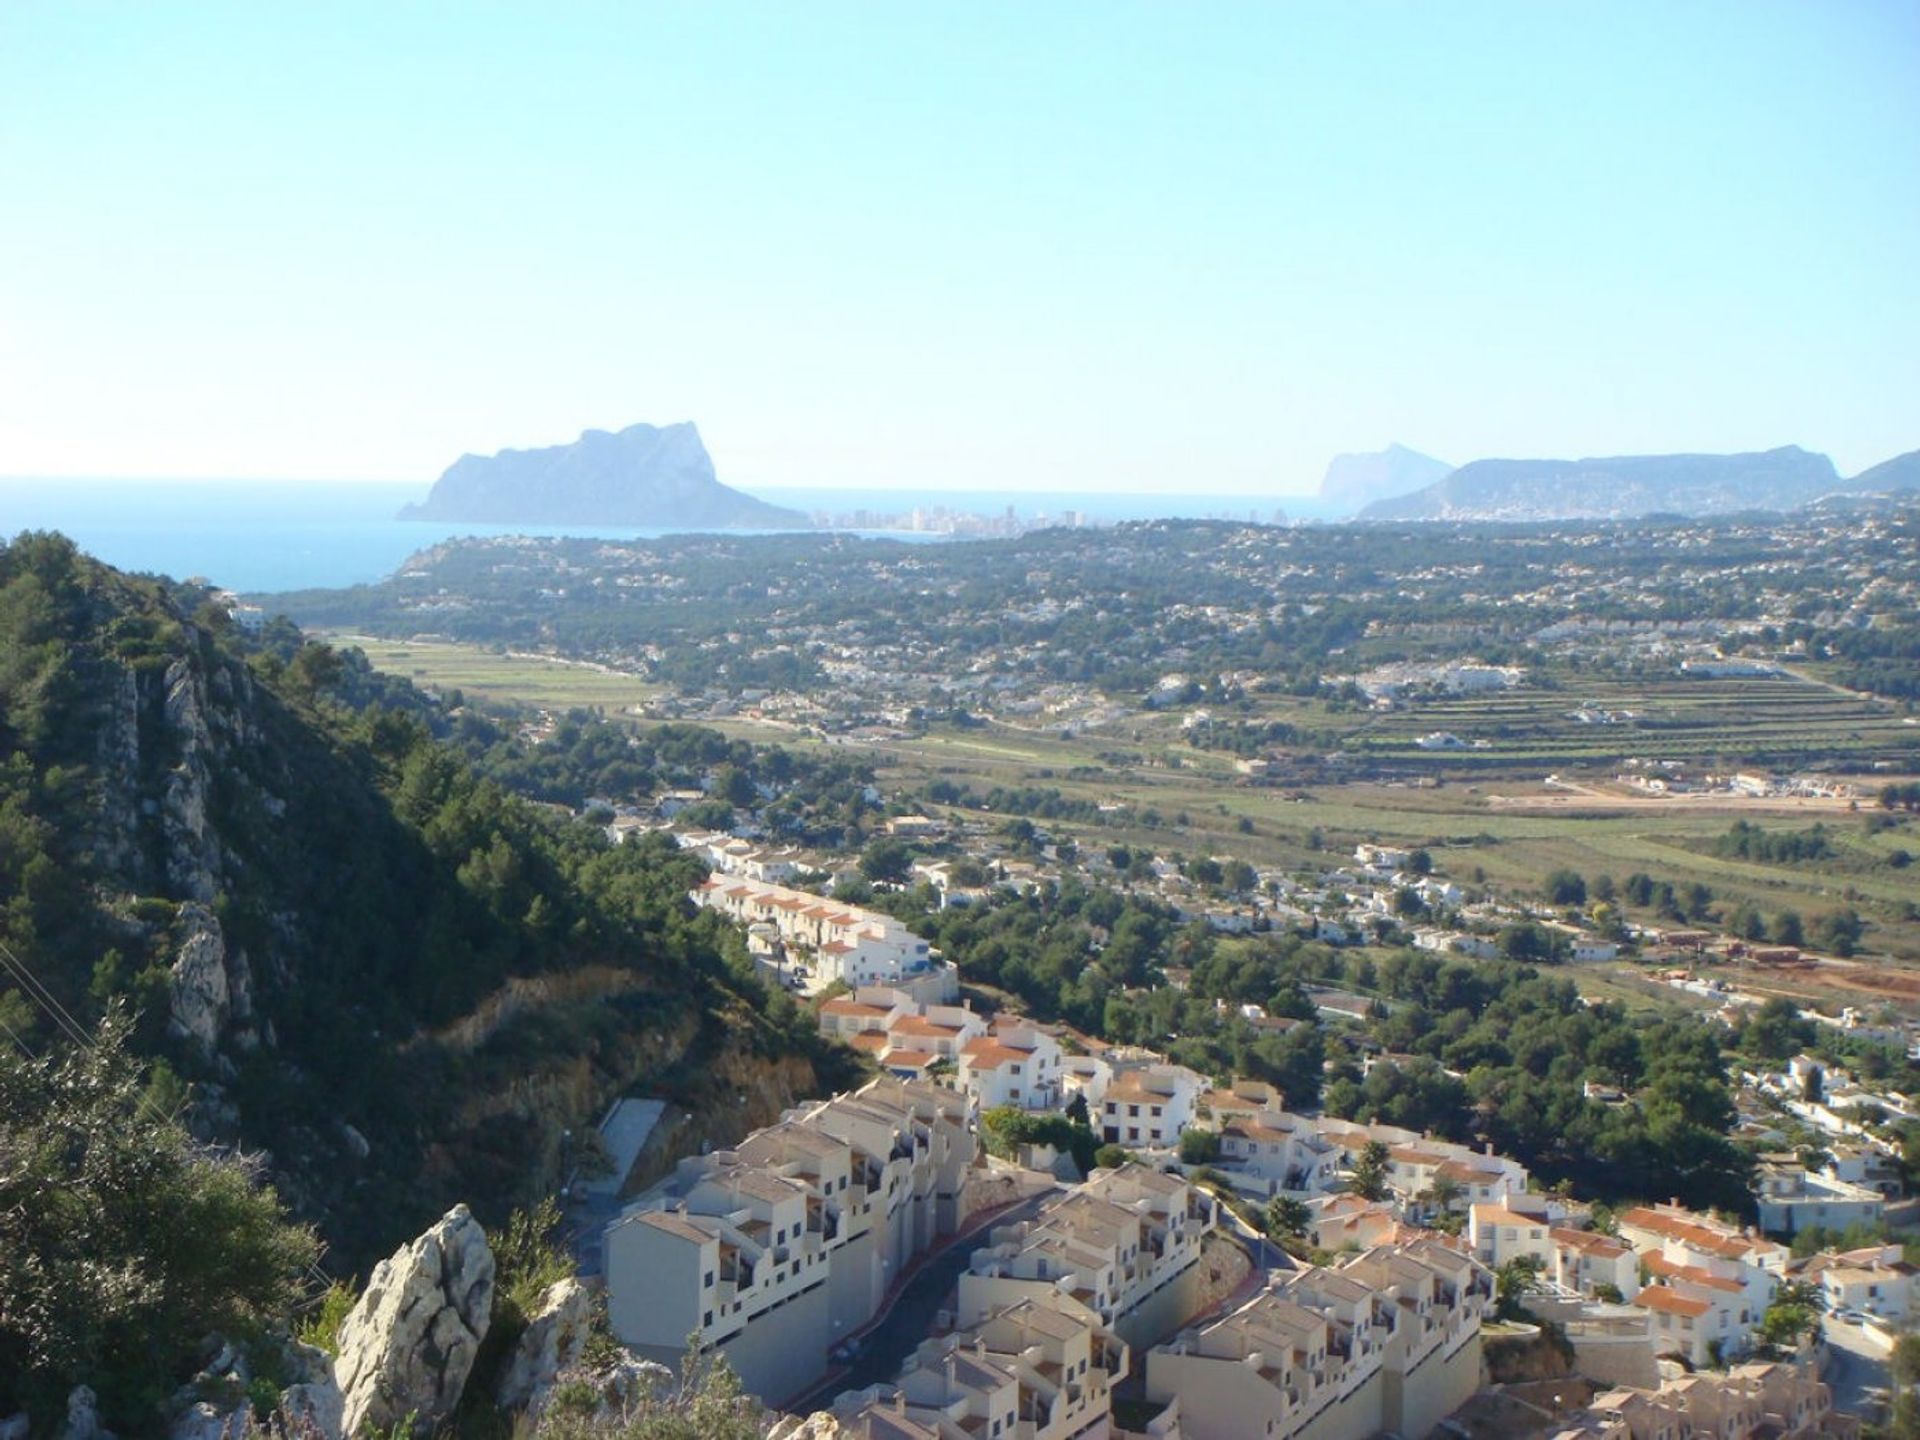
[(1779, 722)]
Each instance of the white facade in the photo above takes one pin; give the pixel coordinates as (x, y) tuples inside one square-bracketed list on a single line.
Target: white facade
[(829, 943), (773, 1249), (1111, 1245), (1389, 1343), (1015, 1065), (1148, 1106)]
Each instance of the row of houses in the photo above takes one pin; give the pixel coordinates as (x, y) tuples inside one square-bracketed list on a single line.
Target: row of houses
[(1761, 1400), (815, 943), (1040, 1368), (1125, 1245), (772, 1251), (1388, 1343), (1134, 1097)]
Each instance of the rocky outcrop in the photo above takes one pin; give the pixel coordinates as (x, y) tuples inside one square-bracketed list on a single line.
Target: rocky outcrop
[(408, 1346), (193, 851), (203, 1420), (821, 1425), (1355, 480), (313, 1400), (199, 995), (554, 1340), (643, 475), (83, 1417)]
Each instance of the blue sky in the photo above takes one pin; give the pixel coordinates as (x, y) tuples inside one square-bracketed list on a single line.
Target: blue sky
[(1159, 247)]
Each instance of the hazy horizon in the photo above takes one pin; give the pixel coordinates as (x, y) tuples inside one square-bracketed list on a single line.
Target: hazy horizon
[(1089, 248)]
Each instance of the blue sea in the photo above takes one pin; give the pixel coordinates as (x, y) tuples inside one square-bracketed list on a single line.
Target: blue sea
[(268, 535)]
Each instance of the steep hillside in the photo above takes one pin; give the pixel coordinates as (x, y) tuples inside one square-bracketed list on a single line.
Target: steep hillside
[(643, 475), (399, 981), (1618, 487)]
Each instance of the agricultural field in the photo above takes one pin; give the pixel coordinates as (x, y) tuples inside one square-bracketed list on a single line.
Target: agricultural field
[(1490, 818), (501, 676)]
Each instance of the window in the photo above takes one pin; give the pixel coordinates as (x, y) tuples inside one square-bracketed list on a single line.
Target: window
[(708, 1318), (707, 1284)]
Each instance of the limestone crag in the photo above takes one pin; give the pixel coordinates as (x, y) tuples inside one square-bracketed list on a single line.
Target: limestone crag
[(83, 1417), (642, 475), (408, 1345), (554, 1340), (203, 1420), (200, 987), (313, 1398)]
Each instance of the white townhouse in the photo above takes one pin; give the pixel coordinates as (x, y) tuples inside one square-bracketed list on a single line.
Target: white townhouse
[(1014, 1064), (1126, 1245), (1147, 1106), (1388, 1343), (770, 1251)]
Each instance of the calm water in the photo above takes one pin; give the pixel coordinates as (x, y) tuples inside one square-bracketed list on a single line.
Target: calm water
[(292, 535)]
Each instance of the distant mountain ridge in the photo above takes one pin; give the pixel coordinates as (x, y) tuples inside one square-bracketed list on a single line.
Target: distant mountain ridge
[(1619, 487), (1356, 480), (1902, 472), (644, 475)]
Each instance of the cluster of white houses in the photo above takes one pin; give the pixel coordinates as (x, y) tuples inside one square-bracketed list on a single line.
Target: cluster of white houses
[(1760, 1400), (811, 943), (1134, 1097)]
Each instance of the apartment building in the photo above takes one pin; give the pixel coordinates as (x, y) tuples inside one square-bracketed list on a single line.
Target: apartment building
[(1147, 1105), (771, 1250), (1875, 1280), (1577, 1260), (1682, 1247), (1388, 1342), (824, 942), (1014, 1064), (906, 1037), (1126, 1245), (1587, 1262), (1789, 1198), (1349, 1222), (1285, 1154), (1775, 1400), (1421, 1166), (1039, 1369)]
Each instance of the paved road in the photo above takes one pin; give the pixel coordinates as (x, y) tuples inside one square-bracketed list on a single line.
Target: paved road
[(902, 1325), (1856, 1369)]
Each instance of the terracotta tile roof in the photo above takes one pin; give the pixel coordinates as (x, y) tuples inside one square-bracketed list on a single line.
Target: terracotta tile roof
[(985, 1053), (920, 1025), (1659, 1297), (840, 1005), (1590, 1242)]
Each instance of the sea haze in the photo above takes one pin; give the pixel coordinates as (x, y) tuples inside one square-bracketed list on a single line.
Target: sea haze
[(293, 535)]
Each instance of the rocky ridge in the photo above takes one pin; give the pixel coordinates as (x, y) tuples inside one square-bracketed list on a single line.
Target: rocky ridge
[(1618, 487), (646, 475)]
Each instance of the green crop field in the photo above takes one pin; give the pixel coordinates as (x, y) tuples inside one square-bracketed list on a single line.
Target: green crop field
[(498, 676)]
